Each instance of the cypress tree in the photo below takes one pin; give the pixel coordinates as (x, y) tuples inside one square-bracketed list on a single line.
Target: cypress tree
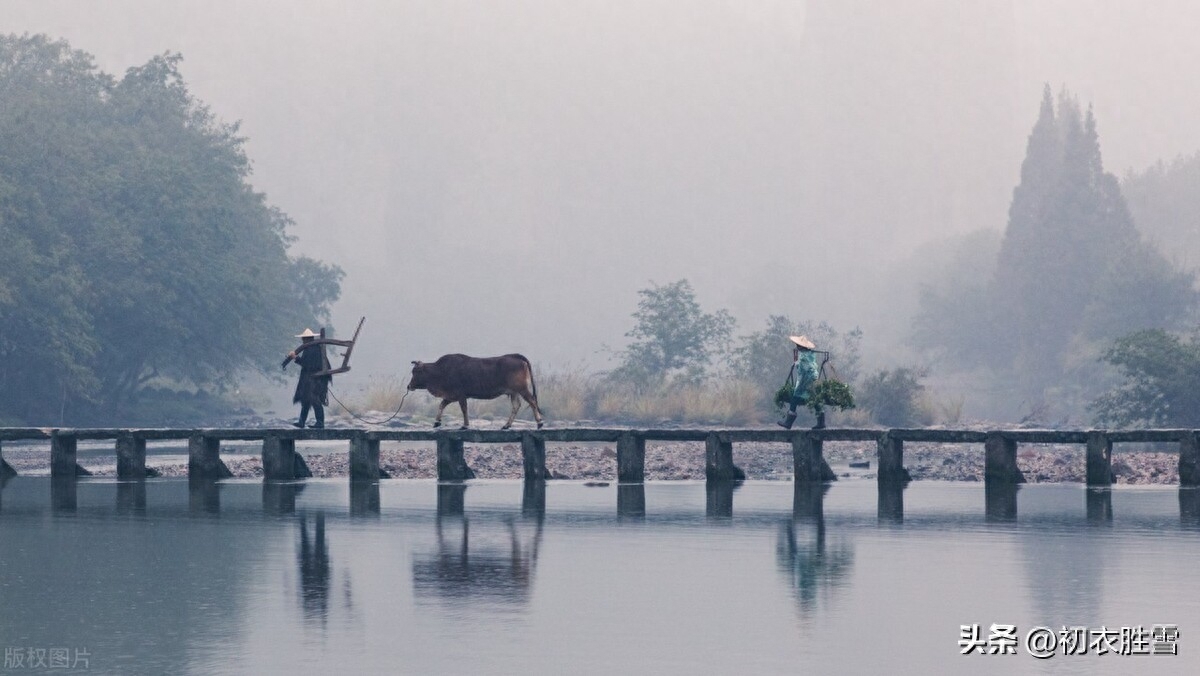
[(1072, 269)]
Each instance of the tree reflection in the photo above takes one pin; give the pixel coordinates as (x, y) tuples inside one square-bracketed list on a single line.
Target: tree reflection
[(491, 565), (814, 567), (313, 559)]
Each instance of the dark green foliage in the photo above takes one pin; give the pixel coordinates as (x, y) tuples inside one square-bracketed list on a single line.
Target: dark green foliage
[(783, 396), (830, 393), (895, 397), (1160, 386), (135, 253), (821, 394), (673, 339)]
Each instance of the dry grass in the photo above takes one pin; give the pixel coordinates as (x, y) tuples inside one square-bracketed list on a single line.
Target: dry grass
[(575, 395)]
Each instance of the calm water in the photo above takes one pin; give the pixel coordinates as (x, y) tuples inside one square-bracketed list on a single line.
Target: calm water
[(410, 577)]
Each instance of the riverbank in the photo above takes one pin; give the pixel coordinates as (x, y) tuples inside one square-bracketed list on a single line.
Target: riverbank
[(665, 461)]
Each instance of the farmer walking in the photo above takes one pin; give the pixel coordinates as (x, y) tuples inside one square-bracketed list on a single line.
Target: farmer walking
[(312, 391), (804, 374)]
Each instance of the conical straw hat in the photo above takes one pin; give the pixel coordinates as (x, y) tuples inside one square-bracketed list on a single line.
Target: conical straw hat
[(803, 342)]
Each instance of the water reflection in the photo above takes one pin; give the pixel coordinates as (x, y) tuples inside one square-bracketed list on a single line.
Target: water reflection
[(808, 500), (1000, 501), (64, 494), (364, 498), (451, 499), (718, 498), (631, 501), (891, 502), (280, 498), (492, 565), (1099, 506), (131, 497), (815, 569), (313, 559), (204, 496), (4, 479), (1189, 507), (533, 499)]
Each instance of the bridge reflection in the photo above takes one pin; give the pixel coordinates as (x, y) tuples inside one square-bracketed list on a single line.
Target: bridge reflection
[(814, 567), (312, 559), (137, 497), (492, 564)]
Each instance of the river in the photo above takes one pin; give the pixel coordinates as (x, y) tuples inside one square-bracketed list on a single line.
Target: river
[(410, 577)]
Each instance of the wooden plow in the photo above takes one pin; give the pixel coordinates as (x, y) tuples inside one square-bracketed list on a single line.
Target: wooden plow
[(348, 344)]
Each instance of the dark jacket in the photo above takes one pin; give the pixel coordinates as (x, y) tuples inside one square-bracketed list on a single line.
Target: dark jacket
[(310, 389)]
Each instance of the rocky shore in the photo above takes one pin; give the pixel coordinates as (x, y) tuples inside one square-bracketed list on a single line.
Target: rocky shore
[(665, 461)]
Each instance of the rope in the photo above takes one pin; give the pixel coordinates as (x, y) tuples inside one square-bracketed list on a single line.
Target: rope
[(370, 422)]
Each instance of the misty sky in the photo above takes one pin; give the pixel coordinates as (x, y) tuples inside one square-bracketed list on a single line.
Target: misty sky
[(504, 176)]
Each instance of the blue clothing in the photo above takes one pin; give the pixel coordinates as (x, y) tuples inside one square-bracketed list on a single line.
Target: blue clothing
[(804, 374)]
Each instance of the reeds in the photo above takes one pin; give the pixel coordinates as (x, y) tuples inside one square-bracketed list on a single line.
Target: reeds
[(575, 395)]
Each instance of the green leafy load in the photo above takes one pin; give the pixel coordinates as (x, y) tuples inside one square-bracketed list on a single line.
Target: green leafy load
[(829, 392)]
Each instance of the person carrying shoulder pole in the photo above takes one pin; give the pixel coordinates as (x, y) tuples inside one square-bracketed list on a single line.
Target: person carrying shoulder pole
[(804, 374)]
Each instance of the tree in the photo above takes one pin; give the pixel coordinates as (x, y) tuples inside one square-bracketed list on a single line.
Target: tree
[(895, 397), (765, 357), (137, 253), (1165, 203), (1072, 272), (1161, 382), (673, 338)]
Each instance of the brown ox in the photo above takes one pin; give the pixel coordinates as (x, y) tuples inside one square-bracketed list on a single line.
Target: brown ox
[(457, 377)]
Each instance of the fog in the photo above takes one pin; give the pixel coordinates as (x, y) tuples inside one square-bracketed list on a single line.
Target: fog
[(504, 176)]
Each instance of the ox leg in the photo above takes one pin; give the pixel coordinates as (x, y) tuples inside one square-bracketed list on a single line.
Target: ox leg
[(516, 406), (437, 422), (462, 403), (537, 412)]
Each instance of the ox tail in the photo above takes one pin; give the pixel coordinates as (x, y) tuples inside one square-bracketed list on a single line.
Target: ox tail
[(532, 382)]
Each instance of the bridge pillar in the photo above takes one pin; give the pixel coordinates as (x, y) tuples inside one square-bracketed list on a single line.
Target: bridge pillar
[(533, 451), (63, 456), (808, 459), (131, 457), (451, 465), (631, 458), (1000, 461), (1189, 459), (1099, 459), (279, 459), (6, 470), (718, 459), (890, 459), (364, 458), (204, 458)]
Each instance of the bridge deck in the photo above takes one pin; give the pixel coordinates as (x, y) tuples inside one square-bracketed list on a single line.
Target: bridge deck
[(280, 461)]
